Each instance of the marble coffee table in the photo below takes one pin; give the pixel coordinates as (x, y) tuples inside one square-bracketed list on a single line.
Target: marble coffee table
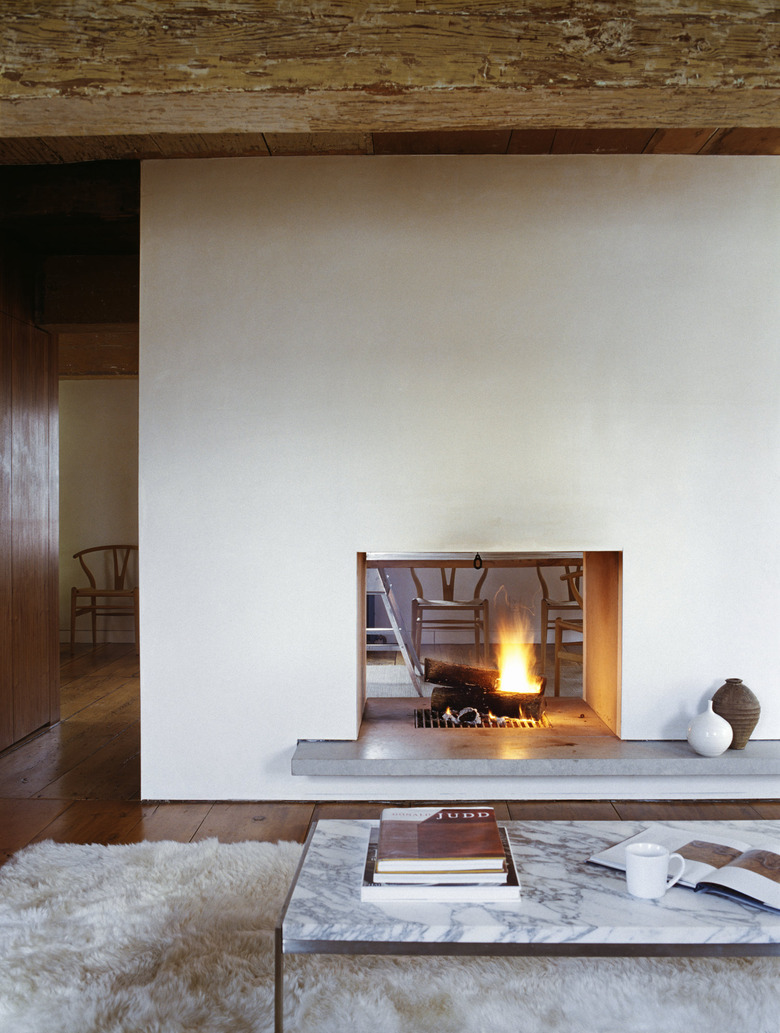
[(567, 906)]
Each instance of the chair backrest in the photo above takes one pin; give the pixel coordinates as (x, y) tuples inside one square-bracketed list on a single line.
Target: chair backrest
[(117, 564), (448, 583), (573, 573), (572, 579)]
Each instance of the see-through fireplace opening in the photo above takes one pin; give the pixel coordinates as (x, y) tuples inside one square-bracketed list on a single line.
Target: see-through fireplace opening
[(411, 617)]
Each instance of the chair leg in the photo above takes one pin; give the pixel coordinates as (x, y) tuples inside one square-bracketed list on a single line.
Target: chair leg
[(558, 644), (416, 628), (94, 622), (545, 618)]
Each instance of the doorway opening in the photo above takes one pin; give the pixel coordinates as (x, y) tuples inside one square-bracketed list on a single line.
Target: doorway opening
[(98, 490)]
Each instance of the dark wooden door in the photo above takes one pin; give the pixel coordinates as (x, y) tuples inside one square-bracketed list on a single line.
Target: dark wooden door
[(29, 620)]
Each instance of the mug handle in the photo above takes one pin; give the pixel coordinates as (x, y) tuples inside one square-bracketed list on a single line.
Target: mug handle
[(678, 876)]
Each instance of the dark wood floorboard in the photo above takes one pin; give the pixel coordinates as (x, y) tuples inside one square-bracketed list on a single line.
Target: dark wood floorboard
[(22, 820), (79, 782), (767, 808), (234, 822), (179, 822), (350, 810), (111, 773), (685, 810), (563, 810), (94, 821), (92, 753)]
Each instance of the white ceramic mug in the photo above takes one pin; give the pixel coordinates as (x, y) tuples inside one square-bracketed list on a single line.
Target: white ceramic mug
[(647, 869)]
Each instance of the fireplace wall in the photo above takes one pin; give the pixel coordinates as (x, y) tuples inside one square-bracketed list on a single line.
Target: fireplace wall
[(440, 354)]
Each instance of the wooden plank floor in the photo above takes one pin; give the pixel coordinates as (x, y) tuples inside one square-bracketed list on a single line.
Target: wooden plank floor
[(79, 782)]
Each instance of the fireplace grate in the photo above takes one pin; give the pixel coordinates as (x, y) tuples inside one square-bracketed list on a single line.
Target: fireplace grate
[(425, 717)]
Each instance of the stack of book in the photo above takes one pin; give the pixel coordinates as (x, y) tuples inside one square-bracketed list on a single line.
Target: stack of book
[(439, 853)]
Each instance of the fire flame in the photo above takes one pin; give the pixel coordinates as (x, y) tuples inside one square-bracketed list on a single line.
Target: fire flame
[(517, 659)]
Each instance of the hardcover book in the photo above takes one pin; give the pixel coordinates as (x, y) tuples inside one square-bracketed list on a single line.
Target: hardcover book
[(464, 886), (424, 839), (715, 862)]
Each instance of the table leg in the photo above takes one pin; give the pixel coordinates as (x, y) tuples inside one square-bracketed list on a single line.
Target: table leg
[(278, 984)]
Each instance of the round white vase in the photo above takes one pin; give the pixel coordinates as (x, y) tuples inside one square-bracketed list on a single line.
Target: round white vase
[(710, 734)]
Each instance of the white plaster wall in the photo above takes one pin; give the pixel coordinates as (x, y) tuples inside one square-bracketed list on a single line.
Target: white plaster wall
[(98, 487), (567, 353)]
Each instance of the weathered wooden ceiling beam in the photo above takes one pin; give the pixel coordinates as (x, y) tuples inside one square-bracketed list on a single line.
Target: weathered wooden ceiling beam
[(80, 67)]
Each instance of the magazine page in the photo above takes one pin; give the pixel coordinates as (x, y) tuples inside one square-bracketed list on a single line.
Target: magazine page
[(755, 875), (705, 850)]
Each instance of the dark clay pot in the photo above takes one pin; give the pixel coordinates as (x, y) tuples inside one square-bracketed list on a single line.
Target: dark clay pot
[(740, 707)]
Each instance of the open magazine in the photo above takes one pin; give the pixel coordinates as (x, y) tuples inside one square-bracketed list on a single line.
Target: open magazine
[(714, 862)]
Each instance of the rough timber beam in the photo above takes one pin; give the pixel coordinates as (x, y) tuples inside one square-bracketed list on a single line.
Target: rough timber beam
[(80, 67)]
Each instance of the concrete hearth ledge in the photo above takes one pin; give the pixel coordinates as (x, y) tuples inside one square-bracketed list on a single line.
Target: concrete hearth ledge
[(577, 744)]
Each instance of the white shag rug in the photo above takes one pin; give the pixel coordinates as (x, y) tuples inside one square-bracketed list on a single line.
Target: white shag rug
[(178, 938)]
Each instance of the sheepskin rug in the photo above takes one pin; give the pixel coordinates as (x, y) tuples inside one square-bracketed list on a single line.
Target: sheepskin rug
[(178, 938)]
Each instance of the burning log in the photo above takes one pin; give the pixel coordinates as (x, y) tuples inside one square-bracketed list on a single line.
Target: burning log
[(457, 687), (500, 704), (460, 676)]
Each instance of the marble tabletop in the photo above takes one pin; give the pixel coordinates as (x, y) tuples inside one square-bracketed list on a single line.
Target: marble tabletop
[(565, 901)]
